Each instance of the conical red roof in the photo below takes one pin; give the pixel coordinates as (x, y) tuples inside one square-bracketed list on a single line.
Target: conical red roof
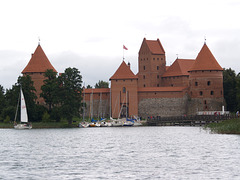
[(38, 63), (205, 61), (123, 72)]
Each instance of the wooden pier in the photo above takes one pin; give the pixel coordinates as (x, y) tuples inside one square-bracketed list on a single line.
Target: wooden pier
[(197, 120)]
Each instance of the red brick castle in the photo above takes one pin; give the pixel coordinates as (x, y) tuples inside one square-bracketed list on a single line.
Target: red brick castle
[(184, 88)]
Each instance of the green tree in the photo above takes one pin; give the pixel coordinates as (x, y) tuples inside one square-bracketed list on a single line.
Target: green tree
[(50, 88), (102, 84), (2, 99), (89, 87), (238, 91), (230, 90), (70, 93)]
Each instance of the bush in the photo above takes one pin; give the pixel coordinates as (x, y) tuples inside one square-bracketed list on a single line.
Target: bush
[(7, 119), (46, 117)]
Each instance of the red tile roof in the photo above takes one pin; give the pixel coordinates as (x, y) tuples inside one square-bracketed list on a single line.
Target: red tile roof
[(161, 89), (123, 72), (205, 61), (96, 90), (180, 67), (155, 46), (39, 62)]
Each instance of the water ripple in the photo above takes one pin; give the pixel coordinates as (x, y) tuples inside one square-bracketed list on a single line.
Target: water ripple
[(119, 153)]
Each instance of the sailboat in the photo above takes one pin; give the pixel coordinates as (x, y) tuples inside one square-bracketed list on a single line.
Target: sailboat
[(24, 124)]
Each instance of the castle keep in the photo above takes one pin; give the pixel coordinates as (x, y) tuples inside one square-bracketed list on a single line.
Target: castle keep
[(184, 88)]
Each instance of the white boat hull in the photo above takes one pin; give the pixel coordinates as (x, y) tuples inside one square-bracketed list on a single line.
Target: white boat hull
[(23, 126), (83, 125)]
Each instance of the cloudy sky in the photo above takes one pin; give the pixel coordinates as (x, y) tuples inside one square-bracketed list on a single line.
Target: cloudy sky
[(89, 35)]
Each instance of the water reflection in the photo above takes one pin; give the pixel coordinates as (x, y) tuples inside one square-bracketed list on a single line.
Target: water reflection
[(119, 153)]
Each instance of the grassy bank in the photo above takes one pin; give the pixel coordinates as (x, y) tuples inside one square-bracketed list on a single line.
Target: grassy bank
[(231, 126)]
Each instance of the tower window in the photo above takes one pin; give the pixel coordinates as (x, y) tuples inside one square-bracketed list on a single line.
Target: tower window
[(153, 58), (196, 83), (143, 76), (212, 92), (157, 76), (201, 93), (144, 85), (124, 90), (209, 83), (205, 102), (157, 67), (144, 67), (157, 85)]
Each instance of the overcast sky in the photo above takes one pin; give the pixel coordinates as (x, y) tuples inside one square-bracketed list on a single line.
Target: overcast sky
[(89, 35)]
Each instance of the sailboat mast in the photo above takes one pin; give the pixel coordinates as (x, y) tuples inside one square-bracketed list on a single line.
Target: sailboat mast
[(19, 97), (83, 103)]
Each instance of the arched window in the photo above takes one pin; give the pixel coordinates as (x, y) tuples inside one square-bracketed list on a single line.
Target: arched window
[(212, 92), (209, 83), (124, 90), (201, 93)]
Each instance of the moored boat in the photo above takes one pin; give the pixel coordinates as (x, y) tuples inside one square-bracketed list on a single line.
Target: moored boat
[(24, 124)]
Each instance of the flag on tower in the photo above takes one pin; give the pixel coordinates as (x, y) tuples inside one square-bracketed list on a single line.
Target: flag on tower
[(124, 47)]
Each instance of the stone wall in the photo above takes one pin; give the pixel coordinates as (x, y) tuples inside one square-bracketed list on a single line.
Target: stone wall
[(204, 104), (163, 107)]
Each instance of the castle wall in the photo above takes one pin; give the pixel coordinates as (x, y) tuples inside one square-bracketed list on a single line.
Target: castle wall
[(162, 104), (204, 104), (163, 107), (175, 81)]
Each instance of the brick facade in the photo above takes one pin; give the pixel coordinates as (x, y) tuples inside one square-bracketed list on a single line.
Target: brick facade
[(187, 86)]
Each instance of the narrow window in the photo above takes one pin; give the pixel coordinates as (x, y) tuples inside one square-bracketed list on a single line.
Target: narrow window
[(212, 92), (157, 67), (124, 90), (157, 76), (205, 102), (201, 93), (154, 59), (143, 76), (209, 83), (144, 67), (157, 85), (196, 83), (144, 85)]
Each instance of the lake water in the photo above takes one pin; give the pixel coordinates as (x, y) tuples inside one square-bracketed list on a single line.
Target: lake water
[(119, 153)]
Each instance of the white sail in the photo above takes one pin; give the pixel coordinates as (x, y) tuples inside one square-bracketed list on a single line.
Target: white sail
[(24, 116)]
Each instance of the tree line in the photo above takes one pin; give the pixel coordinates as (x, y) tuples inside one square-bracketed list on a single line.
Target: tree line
[(62, 95)]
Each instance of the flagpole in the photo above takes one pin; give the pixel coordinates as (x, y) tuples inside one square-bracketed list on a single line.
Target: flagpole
[(123, 52)]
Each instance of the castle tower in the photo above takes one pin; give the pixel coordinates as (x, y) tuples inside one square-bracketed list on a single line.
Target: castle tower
[(124, 97), (206, 81), (36, 68), (151, 63)]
